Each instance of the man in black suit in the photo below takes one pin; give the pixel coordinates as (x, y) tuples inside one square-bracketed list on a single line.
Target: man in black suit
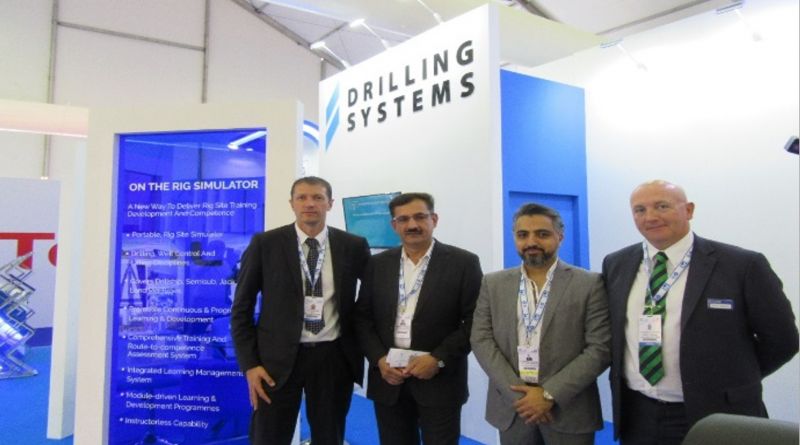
[(413, 320), (696, 324), (303, 340)]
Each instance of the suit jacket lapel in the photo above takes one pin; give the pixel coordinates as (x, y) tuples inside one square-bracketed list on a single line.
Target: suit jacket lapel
[(391, 277), (336, 252), (289, 247), (436, 266), (508, 301), (628, 270), (561, 279), (700, 268)]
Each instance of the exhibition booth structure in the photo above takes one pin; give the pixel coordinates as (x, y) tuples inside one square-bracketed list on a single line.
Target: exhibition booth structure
[(174, 197), (440, 114), (173, 194), (149, 236)]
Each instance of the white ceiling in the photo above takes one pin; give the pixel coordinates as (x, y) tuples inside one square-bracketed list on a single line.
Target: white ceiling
[(308, 21)]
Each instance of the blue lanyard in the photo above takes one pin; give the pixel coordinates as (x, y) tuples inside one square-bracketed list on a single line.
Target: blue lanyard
[(673, 277), (531, 323), (401, 285), (304, 263)]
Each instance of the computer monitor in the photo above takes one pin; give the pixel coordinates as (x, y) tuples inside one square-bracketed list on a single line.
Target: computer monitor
[(369, 216)]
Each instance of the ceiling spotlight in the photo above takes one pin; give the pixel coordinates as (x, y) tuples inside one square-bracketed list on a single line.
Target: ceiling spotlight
[(363, 23), (320, 45), (618, 44), (357, 22), (435, 14), (234, 145)]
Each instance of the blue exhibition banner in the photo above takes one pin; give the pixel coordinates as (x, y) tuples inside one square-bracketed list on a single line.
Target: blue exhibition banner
[(187, 205)]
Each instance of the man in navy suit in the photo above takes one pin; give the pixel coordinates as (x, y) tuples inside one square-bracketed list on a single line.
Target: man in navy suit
[(303, 340), (696, 324), (413, 319)]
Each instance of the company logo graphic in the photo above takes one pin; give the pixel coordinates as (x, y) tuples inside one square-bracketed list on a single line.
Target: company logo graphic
[(332, 117)]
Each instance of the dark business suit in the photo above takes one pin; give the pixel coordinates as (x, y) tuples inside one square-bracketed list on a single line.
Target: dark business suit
[(724, 353), (441, 324), (271, 265)]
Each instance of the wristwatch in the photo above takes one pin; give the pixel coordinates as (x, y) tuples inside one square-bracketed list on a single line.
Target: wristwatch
[(547, 396)]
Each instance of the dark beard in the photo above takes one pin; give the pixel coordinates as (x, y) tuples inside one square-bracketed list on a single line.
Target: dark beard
[(537, 259)]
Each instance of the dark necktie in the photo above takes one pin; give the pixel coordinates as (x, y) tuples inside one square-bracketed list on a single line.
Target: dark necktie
[(314, 326), (651, 365)]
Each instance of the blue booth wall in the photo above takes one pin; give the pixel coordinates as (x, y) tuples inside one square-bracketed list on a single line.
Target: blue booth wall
[(544, 158)]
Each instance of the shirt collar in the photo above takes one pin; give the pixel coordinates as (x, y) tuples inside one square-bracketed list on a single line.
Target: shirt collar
[(302, 237), (674, 252), (405, 257), (550, 271)]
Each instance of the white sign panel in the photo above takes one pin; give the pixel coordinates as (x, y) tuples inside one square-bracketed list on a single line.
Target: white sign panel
[(421, 116), (28, 226)]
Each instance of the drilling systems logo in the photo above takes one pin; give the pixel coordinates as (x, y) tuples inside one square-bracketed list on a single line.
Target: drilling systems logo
[(426, 83), (332, 117)]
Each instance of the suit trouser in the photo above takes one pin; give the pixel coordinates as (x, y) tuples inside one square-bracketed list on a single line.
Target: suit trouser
[(401, 423), (521, 434), (322, 372), (647, 421)]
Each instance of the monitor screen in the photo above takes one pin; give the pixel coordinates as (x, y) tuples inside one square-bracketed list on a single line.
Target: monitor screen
[(369, 216)]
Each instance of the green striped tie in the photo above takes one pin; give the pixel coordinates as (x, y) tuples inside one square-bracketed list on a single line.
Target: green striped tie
[(650, 364)]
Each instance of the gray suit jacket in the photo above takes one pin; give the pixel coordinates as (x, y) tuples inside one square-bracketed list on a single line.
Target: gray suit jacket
[(574, 346)]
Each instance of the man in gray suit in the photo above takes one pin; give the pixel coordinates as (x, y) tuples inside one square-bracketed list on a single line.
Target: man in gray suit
[(541, 332)]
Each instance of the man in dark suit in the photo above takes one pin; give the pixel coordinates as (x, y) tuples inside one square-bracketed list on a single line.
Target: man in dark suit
[(696, 324), (303, 340), (417, 300)]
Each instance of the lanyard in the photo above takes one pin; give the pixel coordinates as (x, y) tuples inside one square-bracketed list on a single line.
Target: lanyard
[(304, 263), (531, 323), (662, 291), (401, 285)]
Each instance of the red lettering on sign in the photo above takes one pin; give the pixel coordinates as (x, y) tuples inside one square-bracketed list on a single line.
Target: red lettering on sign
[(25, 245)]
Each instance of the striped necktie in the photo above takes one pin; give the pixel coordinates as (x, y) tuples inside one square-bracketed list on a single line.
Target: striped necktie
[(651, 365)]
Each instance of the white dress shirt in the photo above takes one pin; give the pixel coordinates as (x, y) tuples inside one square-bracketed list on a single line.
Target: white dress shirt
[(329, 312), (411, 272), (669, 388), (533, 294)]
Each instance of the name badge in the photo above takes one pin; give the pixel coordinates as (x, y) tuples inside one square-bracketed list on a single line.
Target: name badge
[(402, 330), (650, 330), (528, 363), (720, 303), (312, 308)]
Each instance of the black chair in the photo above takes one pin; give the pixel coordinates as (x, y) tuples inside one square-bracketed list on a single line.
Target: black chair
[(729, 429)]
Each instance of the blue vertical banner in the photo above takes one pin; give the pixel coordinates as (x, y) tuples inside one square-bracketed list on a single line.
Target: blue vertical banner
[(187, 205)]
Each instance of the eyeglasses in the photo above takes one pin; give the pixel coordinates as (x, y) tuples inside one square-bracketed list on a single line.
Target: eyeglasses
[(417, 217)]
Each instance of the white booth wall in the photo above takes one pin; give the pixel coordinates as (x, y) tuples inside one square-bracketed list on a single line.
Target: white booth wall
[(247, 61), (713, 104), (711, 112)]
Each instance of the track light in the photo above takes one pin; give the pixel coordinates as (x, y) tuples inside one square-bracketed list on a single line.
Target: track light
[(435, 14), (320, 45), (363, 23)]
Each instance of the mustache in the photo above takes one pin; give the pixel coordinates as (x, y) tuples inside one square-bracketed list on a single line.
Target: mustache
[(413, 231)]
